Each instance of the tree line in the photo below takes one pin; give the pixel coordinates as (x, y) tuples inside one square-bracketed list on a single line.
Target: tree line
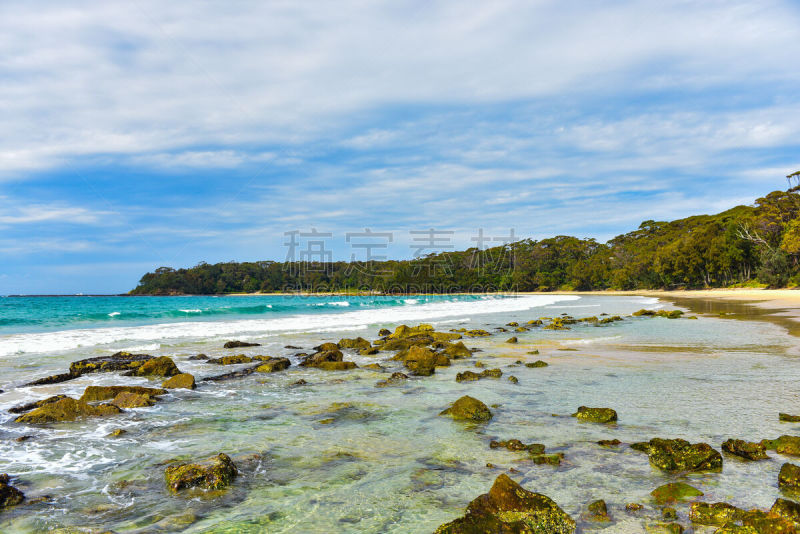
[(746, 245)]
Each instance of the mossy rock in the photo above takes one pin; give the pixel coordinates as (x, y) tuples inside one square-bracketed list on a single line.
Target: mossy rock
[(595, 415), (597, 512), (477, 333), (787, 418), (371, 351), (126, 399), (404, 331), (101, 393), (274, 365), (162, 366), (213, 474), (120, 361), (674, 492), (763, 521), (468, 376), (789, 477), (745, 449), (331, 360), (326, 347), (537, 363), (457, 351), (786, 509), (445, 336), (36, 404), (609, 442), (358, 343), (517, 445), (718, 514), (548, 459), (420, 361), (789, 445), (67, 409), (469, 409), (396, 378), (181, 381), (491, 373), (9, 495), (513, 379), (231, 360), (373, 367), (678, 455), (512, 340), (383, 332), (535, 322), (510, 508), (336, 366), (117, 432), (239, 344), (512, 323)]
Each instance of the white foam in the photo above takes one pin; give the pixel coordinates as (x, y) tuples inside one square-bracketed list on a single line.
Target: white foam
[(192, 311), (48, 342), (113, 314)]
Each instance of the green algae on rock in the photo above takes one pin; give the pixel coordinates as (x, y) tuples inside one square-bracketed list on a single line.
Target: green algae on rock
[(468, 408), (595, 415), (457, 351), (162, 366), (789, 445), (329, 360), (786, 509), (67, 409), (9, 495), (517, 445), (126, 399), (238, 344), (274, 365), (789, 477), (537, 363), (512, 340), (513, 379), (358, 343), (101, 393), (212, 474), (36, 404), (718, 514), (674, 492), (181, 381), (510, 508), (786, 418), (396, 378), (231, 360), (678, 455), (745, 449), (420, 361), (597, 511), (469, 376)]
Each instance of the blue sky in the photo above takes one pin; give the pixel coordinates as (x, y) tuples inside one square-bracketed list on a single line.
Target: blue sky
[(139, 134)]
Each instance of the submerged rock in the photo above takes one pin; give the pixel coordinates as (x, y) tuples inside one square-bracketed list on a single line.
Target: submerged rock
[(673, 455), (548, 459), (789, 477), (674, 492), (477, 333), (371, 351), (513, 379), (745, 449), (609, 442), (53, 379), (241, 373), (517, 445), (396, 378), (718, 513), (162, 366), (468, 408), (274, 365), (198, 357), (181, 381), (789, 445), (595, 415), (101, 393), (117, 432), (469, 376), (510, 508), (231, 360), (238, 344), (212, 474), (67, 409), (9, 495), (36, 404)]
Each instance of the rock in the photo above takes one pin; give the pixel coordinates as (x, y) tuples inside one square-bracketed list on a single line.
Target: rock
[(717, 514), (229, 376), (126, 399), (597, 511), (512, 323), (786, 509), (441, 360), (548, 459), (231, 360), (467, 376), (674, 492), (404, 331), (609, 442), (479, 364), (457, 351), (513, 379), (383, 332), (358, 343), (468, 408), (9, 495), (101, 393), (116, 433), (181, 381), (371, 351), (785, 417), (745, 449), (669, 514), (274, 365), (537, 363), (512, 340), (213, 474), (54, 379), (36, 404), (396, 378), (491, 373), (789, 445), (420, 361), (477, 333), (789, 477), (595, 415), (761, 521), (162, 366), (336, 366), (300, 382), (517, 445), (373, 367), (23, 439), (633, 507), (331, 360), (238, 344), (533, 352), (557, 324), (510, 508), (67, 409), (199, 357), (674, 455), (120, 361)]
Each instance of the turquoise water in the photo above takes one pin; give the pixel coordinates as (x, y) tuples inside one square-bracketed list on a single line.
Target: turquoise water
[(340, 455)]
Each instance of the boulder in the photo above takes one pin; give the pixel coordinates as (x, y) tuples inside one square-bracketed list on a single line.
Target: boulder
[(274, 365), (469, 409), (67, 409), (120, 361), (597, 511), (383, 332), (101, 393), (36, 404), (467, 376), (371, 351), (9, 495), (404, 331), (789, 477), (212, 474), (331, 360), (513, 379), (396, 378), (789, 445), (181, 381), (678, 455), (674, 492), (231, 360), (718, 513), (537, 363), (786, 509), (238, 344), (510, 508), (457, 351), (512, 340), (126, 399), (198, 357), (358, 343), (162, 366), (745, 449), (420, 361), (595, 415)]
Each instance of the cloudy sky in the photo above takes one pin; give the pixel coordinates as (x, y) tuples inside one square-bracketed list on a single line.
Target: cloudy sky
[(145, 133)]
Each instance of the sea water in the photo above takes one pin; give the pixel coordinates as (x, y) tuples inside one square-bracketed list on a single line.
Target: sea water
[(339, 454)]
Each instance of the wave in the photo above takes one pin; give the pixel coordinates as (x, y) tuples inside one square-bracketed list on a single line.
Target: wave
[(114, 314), (307, 322)]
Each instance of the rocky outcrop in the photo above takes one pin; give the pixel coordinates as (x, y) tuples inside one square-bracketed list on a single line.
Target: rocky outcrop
[(468, 376), (9, 495), (396, 378), (212, 474), (789, 477), (127, 399), (157, 367), (595, 415), (239, 344), (231, 360), (358, 343), (469, 409), (329, 360), (101, 393), (789, 445), (510, 508), (67, 409), (274, 365), (745, 449), (678, 455), (36, 404), (420, 361), (181, 381)]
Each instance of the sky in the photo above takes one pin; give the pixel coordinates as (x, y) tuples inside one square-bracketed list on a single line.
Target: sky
[(141, 134)]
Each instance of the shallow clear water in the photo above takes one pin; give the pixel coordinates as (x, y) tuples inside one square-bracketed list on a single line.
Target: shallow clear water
[(339, 455)]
